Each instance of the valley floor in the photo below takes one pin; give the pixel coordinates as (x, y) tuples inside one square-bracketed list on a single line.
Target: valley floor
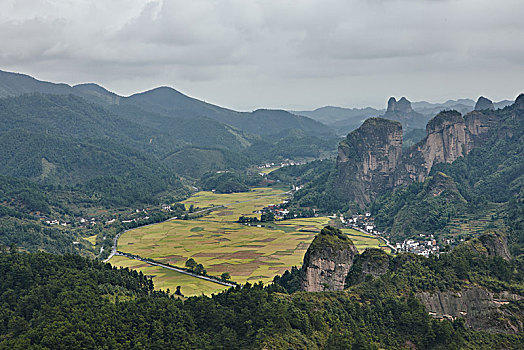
[(248, 253)]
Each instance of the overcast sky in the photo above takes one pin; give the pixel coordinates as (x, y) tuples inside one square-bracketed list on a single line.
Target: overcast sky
[(273, 53)]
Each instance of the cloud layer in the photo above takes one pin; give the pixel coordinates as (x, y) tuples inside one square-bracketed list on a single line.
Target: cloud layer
[(273, 53)]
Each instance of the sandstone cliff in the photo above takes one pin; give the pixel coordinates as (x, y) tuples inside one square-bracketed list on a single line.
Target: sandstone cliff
[(446, 140), (371, 160), (480, 308), (368, 159), (327, 261), (491, 244)]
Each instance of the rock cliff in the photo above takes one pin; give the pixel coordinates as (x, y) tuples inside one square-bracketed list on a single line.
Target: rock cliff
[(446, 140), (327, 261), (372, 262), (480, 308), (368, 159), (491, 244), (371, 160), (519, 102)]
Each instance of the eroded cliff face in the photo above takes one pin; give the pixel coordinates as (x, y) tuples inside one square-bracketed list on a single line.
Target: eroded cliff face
[(491, 244), (484, 104), (327, 261), (372, 261), (367, 160), (480, 308), (446, 140), (371, 161)]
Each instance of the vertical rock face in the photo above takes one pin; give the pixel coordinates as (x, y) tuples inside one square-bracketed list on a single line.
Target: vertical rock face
[(367, 160), (478, 307), (446, 141), (446, 138), (327, 261), (484, 104), (402, 106), (491, 244), (370, 160)]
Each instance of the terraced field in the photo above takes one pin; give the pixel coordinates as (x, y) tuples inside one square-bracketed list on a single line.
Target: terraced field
[(247, 253), (475, 223)]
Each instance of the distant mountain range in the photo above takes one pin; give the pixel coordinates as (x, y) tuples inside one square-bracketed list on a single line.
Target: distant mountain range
[(166, 101), (163, 123), (345, 120)]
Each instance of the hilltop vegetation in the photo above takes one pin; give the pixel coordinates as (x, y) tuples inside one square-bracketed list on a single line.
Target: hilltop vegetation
[(98, 306)]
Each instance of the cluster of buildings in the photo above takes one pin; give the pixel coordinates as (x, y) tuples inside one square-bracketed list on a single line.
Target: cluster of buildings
[(425, 246), (360, 222), (281, 164), (57, 222), (83, 222)]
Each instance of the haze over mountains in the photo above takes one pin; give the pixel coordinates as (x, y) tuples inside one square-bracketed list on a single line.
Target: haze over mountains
[(412, 115)]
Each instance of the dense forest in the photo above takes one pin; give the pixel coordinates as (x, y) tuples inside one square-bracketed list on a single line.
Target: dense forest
[(69, 302)]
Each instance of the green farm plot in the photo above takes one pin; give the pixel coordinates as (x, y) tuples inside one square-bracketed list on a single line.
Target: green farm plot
[(234, 211), (248, 253), (167, 279), (269, 170), (363, 241)]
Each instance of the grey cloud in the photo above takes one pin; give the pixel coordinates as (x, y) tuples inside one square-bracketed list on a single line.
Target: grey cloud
[(246, 53)]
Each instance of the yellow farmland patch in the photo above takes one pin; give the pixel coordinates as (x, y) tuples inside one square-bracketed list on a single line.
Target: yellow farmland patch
[(165, 279), (91, 239), (247, 253)]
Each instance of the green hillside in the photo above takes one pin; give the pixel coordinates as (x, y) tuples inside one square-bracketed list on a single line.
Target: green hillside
[(70, 302)]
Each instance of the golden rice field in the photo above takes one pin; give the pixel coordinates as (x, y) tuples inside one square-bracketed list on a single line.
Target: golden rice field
[(247, 253), (167, 279)]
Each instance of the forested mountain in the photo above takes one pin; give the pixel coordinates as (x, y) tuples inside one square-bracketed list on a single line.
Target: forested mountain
[(161, 121), (165, 101), (88, 150)]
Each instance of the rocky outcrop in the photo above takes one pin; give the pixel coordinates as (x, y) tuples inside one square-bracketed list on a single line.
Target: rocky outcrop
[(479, 123), (371, 161), (519, 102), (402, 106), (372, 262), (327, 261), (491, 244), (445, 141), (484, 104), (402, 111), (480, 308), (368, 159)]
